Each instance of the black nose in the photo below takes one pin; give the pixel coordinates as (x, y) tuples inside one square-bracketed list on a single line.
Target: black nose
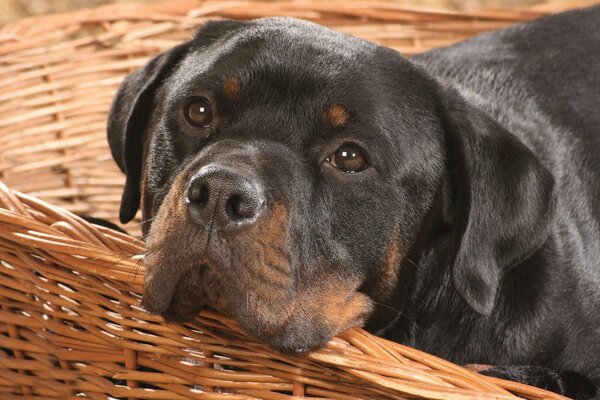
[(224, 198)]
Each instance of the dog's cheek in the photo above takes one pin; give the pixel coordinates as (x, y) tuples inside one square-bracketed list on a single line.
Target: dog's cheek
[(386, 278), (170, 228), (344, 308), (147, 200)]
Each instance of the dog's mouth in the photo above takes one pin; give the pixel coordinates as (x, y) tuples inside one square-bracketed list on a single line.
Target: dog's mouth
[(176, 298), (294, 322), (179, 296), (185, 302)]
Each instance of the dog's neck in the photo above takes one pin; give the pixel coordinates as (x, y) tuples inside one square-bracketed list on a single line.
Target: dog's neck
[(428, 308)]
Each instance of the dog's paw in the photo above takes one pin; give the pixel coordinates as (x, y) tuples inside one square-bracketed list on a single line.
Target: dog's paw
[(566, 383)]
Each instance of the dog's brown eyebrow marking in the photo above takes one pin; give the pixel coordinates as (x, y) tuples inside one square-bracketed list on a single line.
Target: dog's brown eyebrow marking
[(232, 88), (337, 115)]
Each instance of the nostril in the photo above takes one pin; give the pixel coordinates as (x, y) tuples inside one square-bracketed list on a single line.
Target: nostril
[(232, 207), (203, 198), (240, 207), (198, 194)]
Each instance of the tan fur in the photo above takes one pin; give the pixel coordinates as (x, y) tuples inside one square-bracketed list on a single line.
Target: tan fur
[(232, 88), (169, 217), (389, 275), (267, 271), (343, 307), (337, 116)]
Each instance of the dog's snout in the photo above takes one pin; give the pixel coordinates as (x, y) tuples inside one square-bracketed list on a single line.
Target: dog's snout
[(224, 198)]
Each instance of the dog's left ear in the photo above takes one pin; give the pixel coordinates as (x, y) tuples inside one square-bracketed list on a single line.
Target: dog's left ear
[(502, 200), (127, 121)]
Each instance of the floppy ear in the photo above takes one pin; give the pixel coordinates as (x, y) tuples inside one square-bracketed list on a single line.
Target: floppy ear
[(127, 121), (502, 200)]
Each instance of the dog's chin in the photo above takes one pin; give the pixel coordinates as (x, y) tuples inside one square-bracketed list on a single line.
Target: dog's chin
[(298, 342), (292, 322), (297, 336), (305, 330), (181, 313), (293, 341)]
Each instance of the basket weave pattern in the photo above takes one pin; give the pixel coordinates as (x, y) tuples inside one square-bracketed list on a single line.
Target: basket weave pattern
[(70, 324)]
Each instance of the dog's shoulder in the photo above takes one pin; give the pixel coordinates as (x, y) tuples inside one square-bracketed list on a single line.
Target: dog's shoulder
[(561, 43), (538, 79), (553, 58)]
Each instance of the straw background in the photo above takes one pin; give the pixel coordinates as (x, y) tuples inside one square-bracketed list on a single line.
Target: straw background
[(70, 325)]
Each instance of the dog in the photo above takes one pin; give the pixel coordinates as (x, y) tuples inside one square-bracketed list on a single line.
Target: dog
[(304, 182)]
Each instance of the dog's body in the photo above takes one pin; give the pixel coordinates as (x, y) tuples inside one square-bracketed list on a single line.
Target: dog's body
[(319, 182), (541, 81)]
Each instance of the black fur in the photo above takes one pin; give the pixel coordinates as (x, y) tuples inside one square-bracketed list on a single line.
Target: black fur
[(102, 222), (485, 173)]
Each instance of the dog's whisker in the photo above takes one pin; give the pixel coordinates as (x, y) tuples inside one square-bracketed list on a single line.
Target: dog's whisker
[(412, 262), (390, 308), (136, 224)]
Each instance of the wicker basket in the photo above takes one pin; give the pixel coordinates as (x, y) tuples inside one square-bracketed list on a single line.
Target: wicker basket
[(70, 324)]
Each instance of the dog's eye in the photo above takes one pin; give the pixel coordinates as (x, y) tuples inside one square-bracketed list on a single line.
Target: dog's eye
[(349, 157), (198, 112)]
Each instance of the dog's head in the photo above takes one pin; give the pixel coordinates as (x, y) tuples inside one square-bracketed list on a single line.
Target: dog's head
[(286, 174)]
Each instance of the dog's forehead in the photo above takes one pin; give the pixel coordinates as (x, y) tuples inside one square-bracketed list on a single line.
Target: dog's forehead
[(306, 78), (298, 48)]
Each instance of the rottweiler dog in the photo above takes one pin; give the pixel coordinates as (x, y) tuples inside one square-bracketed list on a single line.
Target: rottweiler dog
[(304, 181)]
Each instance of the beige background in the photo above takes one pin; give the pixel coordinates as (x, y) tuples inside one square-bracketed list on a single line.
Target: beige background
[(14, 9)]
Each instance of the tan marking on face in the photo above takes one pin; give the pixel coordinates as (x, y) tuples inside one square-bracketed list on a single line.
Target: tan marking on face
[(163, 270), (328, 306), (268, 237), (145, 201), (392, 263), (166, 224), (344, 307), (267, 270), (337, 116), (232, 88)]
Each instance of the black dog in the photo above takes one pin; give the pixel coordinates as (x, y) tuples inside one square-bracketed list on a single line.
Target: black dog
[(304, 181)]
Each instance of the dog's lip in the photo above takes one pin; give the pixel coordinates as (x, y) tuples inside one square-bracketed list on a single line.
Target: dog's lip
[(160, 286), (181, 316), (156, 298), (151, 307)]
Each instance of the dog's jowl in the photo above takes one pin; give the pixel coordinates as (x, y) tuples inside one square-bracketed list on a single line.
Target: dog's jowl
[(305, 182)]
